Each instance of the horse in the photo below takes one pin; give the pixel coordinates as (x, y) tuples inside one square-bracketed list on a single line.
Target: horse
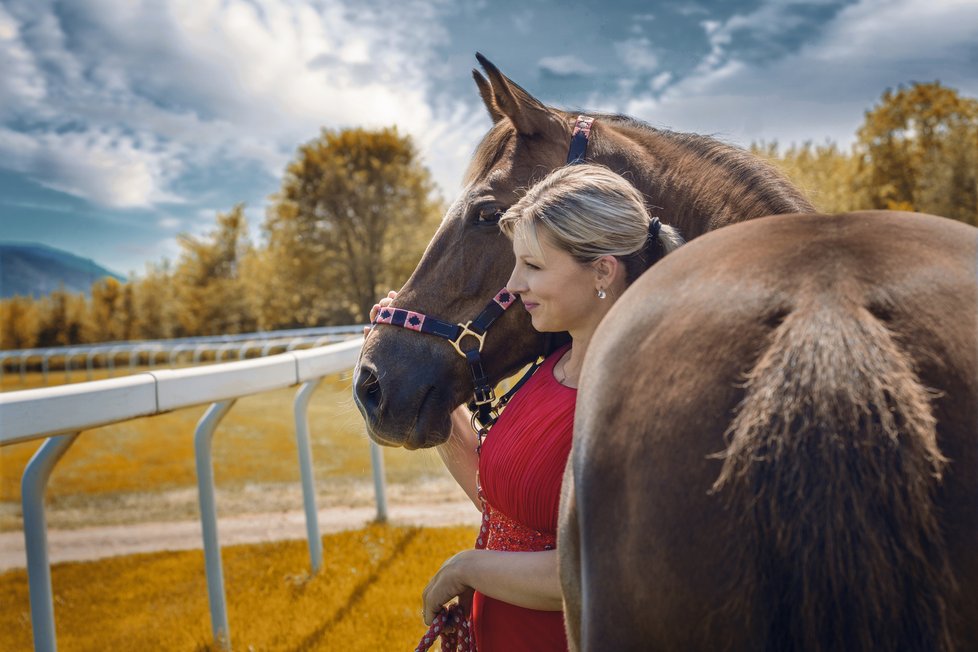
[(705, 561), (783, 412)]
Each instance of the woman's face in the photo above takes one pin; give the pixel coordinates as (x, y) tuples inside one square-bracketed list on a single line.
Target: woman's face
[(557, 291)]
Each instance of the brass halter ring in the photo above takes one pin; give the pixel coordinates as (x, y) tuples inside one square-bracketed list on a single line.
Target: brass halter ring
[(481, 338)]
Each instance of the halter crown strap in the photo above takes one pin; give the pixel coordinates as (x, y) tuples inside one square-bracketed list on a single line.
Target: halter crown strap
[(579, 139)]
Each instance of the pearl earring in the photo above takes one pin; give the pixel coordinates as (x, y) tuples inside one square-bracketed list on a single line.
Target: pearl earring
[(601, 293)]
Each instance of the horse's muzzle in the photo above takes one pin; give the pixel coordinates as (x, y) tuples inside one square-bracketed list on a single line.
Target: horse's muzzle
[(399, 414)]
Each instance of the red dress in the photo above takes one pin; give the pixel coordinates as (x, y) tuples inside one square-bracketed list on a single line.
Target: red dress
[(521, 468)]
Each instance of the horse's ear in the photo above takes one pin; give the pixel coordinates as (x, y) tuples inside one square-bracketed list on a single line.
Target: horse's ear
[(485, 90), (528, 114)]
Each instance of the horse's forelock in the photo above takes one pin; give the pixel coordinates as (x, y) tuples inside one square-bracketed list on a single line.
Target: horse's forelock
[(489, 151)]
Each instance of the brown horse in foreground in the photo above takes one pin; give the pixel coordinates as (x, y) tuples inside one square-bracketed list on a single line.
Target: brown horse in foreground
[(775, 443)]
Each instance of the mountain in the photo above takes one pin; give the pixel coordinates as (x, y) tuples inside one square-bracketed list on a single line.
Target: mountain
[(31, 269)]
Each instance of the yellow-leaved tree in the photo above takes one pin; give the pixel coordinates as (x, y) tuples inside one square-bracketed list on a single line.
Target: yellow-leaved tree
[(209, 293), (918, 150), (825, 173), (19, 322), (111, 312), (353, 217), (155, 302)]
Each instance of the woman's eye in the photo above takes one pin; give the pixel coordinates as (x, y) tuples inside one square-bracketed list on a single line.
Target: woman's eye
[(490, 214)]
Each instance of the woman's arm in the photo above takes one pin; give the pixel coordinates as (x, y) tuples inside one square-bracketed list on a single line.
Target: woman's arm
[(526, 579), (459, 454)]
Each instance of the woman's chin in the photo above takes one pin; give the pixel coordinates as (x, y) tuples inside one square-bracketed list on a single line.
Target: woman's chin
[(541, 325)]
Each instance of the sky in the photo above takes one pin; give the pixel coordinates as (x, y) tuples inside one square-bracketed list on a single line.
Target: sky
[(125, 123)]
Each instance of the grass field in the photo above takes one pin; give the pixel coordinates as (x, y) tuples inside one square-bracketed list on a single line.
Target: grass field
[(366, 598)]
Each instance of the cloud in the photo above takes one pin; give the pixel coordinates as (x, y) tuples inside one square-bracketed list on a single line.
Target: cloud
[(169, 222), (661, 80), (821, 89), (21, 81), (690, 9), (114, 102), (566, 65), (107, 166), (637, 55)]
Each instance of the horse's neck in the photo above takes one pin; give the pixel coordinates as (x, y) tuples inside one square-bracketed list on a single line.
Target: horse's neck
[(698, 184)]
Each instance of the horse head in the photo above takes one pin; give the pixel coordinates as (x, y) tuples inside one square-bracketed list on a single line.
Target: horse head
[(406, 383)]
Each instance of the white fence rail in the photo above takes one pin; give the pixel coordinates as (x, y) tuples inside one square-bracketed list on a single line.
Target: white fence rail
[(169, 352), (59, 414)]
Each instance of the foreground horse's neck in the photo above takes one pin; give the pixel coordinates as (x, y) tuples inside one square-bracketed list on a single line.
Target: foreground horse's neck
[(694, 182)]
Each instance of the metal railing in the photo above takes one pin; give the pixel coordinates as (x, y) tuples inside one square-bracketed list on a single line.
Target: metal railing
[(192, 348), (59, 414)]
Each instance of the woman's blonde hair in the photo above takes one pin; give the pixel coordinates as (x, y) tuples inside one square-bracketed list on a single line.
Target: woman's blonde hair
[(589, 212)]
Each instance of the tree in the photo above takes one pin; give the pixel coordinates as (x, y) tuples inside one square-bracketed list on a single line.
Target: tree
[(209, 293), (354, 215), (918, 150), (155, 303), (102, 324), (61, 318), (19, 323), (824, 172)]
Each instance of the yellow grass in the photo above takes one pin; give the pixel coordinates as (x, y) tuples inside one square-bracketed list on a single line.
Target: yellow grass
[(367, 596)]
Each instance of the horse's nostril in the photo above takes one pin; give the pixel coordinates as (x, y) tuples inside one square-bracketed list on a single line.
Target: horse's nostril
[(367, 389)]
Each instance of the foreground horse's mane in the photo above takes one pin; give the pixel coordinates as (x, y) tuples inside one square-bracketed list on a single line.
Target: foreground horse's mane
[(721, 171)]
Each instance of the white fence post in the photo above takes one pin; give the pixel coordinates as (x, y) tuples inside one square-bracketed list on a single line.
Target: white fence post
[(380, 486), (208, 521), (32, 486), (306, 473)]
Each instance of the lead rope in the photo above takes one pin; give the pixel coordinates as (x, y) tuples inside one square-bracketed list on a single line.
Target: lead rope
[(452, 623)]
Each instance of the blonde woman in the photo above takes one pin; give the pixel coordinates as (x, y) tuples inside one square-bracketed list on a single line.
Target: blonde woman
[(580, 237)]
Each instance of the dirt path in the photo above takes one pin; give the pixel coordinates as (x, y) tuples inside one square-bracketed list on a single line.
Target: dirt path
[(85, 544), (83, 529)]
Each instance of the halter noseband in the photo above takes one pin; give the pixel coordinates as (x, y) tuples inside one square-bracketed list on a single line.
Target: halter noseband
[(482, 406), (455, 333)]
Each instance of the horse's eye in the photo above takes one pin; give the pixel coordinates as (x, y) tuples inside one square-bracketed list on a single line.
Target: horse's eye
[(490, 214)]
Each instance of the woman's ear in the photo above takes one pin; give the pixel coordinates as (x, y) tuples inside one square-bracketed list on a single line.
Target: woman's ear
[(605, 269)]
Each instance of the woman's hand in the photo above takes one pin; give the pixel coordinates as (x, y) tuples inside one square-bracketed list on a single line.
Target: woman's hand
[(383, 303), (447, 583)]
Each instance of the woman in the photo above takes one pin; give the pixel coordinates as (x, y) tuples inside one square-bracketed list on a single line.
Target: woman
[(580, 237)]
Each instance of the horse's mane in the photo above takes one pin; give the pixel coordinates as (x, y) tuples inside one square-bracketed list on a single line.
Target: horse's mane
[(724, 174)]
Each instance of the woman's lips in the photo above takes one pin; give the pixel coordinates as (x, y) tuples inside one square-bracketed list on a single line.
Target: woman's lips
[(530, 306)]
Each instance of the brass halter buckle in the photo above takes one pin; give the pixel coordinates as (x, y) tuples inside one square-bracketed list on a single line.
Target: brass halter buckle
[(467, 331)]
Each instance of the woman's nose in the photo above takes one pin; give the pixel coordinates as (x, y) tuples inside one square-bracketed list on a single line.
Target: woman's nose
[(515, 284)]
